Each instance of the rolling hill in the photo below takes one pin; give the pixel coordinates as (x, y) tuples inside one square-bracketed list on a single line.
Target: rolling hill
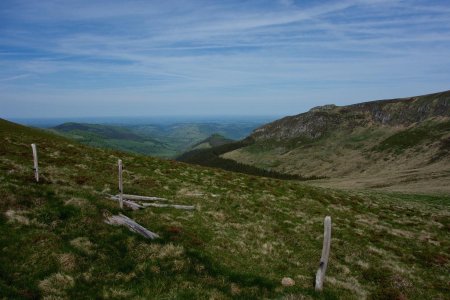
[(244, 236), (215, 140), (399, 144), (113, 137)]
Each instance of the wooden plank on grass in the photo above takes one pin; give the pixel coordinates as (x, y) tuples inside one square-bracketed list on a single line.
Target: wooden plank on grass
[(132, 225)]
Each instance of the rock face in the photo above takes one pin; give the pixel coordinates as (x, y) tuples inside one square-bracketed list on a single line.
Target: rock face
[(320, 120)]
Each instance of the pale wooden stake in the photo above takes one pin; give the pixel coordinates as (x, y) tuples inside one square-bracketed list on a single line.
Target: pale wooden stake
[(320, 275), (120, 184), (35, 160)]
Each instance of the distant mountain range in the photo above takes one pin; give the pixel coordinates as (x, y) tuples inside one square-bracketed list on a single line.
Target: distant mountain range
[(398, 144)]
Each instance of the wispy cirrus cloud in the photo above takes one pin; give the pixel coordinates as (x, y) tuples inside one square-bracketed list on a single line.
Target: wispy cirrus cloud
[(15, 77), (220, 53)]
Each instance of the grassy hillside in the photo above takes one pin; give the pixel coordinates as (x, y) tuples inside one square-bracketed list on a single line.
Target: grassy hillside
[(245, 235), (400, 145), (114, 137)]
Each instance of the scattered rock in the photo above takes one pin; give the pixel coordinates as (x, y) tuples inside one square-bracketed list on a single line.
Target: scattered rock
[(287, 281)]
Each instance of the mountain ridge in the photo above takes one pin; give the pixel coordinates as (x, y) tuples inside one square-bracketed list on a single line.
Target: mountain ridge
[(364, 145), (392, 112)]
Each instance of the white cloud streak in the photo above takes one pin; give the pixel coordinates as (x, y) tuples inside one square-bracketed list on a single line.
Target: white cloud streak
[(218, 50)]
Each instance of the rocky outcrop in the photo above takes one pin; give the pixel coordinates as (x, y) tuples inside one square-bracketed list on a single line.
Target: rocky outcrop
[(323, 119)]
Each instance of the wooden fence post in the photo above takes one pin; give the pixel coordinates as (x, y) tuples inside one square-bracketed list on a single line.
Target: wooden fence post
[(120, 184), (35, 162), (320, 275)]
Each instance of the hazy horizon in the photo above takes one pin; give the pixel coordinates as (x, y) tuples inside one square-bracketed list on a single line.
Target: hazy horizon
[(206, 58), (143, 120)]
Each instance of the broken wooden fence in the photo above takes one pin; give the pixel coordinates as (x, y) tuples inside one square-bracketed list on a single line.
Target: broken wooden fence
[(129, 200)]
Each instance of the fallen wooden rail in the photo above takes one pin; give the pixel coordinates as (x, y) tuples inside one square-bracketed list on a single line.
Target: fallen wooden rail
[(132, 225), (135, 206), (130, 204), (187, 207), (142, 198), (320, 275)]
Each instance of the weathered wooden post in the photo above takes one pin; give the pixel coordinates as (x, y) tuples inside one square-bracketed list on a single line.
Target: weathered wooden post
[(35, 162), (320, 275), (120, 185)]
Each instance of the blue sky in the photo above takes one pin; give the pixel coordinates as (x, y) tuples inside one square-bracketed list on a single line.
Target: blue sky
[(143, 58)]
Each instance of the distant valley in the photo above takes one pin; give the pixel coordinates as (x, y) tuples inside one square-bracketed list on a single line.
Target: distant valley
[(162, 140)]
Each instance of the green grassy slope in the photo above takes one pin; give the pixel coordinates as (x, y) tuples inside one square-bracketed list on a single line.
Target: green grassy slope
[(404, 159), (245, 235), (211, 157), (106, 131)]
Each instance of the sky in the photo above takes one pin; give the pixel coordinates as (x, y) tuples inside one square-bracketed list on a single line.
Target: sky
[(204, 58)]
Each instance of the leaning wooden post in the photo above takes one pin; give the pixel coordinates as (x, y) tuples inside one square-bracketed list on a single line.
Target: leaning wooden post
[(35, 162), (120, 185), (320, 275)]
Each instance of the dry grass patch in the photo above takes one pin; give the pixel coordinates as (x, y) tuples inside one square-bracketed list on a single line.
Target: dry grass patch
[(17, 217), (83, 244), (79, 202), (350, 283), (116, 293), (67, 262), (56, 285), (170, 251)]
